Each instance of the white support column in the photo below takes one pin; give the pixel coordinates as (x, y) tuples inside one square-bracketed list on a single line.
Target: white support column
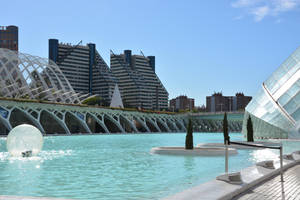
[(164, 124), (130, 122), (83, 123), (143, 122), (58, 120), (113, 120), (101, 123), (153, 123)]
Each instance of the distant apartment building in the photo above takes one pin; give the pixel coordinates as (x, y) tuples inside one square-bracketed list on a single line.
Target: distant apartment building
[(9, 37), (219, 103), (139, 85), (84, 68), (182, 103)]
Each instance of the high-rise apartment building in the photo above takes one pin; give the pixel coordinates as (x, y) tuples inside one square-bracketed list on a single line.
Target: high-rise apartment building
[(139, 85), (219, 103), (9, 37), (182, 103), (85, 69)]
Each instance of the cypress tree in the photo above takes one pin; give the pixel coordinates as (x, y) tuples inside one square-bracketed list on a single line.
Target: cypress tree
[(189, 136), (225, 129), (250, 130)]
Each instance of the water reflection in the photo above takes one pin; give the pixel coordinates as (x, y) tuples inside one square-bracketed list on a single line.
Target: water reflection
[(264, 154), (189, 163), (26, 173)]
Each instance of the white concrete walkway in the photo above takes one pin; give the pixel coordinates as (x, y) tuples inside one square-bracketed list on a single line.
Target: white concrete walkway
[(276, 190), (251, 176)]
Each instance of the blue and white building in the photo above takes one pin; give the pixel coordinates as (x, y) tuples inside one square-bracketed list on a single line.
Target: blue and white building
[(275, 110)]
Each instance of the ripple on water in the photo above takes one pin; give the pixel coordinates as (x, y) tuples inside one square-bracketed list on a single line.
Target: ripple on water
[(116, 167), (43, 155)]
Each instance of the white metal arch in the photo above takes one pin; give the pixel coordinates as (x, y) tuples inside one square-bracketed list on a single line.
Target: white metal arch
[(153, 123), (163, 123), (131, 119), (31, 118), (142, 122), (114, 121), (19, 68), (101, 123), (6, 123), (59, 121), (130, 122), (172, 123), (85, 126)]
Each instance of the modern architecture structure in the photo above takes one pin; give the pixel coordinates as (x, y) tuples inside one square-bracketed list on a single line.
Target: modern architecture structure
[(52, 118), (84, 68), (116, 100), (9, 37), (275, 110), (32, 77), (182, 103), (219, 103), (139, 85), (213, 122)]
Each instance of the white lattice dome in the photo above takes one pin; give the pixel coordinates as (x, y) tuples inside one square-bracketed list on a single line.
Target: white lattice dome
[(26, 76)]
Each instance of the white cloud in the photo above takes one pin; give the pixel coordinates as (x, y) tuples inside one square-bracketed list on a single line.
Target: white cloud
[(239, 17), (241, 3), (244, 3), (285, 5), (260, 12), (259, 9)]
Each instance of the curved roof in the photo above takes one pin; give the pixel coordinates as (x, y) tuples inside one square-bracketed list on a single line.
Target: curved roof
[(278, 101), (26, 76)]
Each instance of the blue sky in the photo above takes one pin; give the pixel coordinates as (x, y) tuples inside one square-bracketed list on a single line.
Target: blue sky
[(200, 46)]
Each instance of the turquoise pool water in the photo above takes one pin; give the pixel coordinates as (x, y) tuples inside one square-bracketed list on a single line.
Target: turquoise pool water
[(117, 166)]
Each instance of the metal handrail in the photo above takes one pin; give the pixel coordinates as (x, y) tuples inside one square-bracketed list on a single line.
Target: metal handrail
[(257, 146)]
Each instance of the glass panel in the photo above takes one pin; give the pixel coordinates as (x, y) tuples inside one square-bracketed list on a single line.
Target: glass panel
[(296, 115), (290, 107)]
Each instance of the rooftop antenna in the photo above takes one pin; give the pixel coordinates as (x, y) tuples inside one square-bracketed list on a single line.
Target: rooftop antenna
[(142, 54)]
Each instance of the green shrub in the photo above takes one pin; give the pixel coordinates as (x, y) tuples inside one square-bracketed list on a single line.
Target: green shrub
[(189, 136), (95, 100), (250, 130), (225, 130)]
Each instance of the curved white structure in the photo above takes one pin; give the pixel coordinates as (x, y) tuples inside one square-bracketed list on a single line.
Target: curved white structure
[(275, 110), (26, 76), (236, 146), (197, 151), (51, 118)]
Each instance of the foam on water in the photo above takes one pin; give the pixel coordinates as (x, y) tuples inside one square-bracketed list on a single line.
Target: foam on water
[(43, 155), (54, 154)]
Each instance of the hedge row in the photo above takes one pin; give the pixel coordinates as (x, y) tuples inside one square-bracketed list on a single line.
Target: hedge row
[(84, 105)]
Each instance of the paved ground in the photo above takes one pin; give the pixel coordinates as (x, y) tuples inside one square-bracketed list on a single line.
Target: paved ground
[(272, 189)]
